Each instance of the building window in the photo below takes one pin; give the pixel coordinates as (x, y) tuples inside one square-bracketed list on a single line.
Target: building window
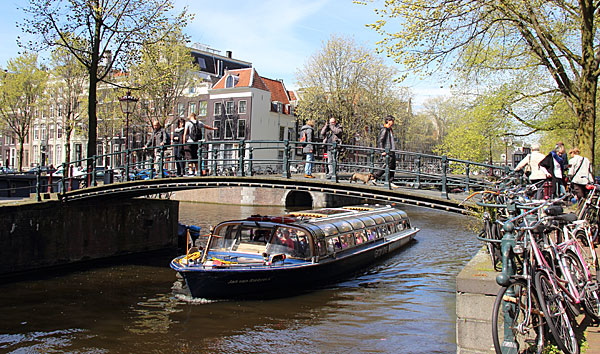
[(192, 108), (181, 110), (229, 129), (281, 133), (58, 131), (43, 135), (217, 133), (59, 157), (36, 133), (241, 130), (192, 89), (242, 107), (51, 136), (229, 108), (218, 108), (231, 81), (202, 105)]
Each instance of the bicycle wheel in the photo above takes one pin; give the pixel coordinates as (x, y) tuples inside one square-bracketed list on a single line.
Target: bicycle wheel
[(589, 289), (510, 320), (555, 313)]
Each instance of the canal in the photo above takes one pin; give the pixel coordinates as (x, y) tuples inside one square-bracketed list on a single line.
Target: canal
[(403, 304)]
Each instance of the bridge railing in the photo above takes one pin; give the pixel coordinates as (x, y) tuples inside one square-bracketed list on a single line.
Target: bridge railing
[(269, 157)]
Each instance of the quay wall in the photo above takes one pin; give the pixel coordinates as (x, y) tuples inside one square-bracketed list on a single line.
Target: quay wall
[(476, 290), (51, 233), (265, 197)]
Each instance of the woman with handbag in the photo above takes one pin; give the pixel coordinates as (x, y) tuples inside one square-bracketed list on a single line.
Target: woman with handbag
[(530, 165), (580, 173)]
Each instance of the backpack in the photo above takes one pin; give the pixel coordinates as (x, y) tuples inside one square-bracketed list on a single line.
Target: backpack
[(167, 138), (196, 132), (303, 137)]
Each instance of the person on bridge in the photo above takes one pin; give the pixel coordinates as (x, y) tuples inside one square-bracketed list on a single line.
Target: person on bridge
[(159, 138), (385, 140), (531, 166), (331, 132), (178, 149), (192, 134), (306, 137)]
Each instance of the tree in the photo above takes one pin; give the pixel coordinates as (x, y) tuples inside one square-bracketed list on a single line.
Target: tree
[(475, 127), (67, 91), (102, 34), (474, 37), (22, 86), (163, 72), (346, 81)]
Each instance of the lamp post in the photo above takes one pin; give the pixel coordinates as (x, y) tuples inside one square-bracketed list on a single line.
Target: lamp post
[(507, 140), (128, 103)]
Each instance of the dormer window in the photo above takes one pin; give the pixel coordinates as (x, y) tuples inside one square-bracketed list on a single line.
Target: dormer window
[(231, 81)]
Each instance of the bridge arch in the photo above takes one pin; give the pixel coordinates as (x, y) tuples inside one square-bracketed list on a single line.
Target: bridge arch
[(299, 199)]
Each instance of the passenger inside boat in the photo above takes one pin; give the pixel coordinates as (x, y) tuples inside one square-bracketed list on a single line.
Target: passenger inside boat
[(291, 241)]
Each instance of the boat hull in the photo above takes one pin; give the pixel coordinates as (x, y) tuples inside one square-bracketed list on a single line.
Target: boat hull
[(277, 281)]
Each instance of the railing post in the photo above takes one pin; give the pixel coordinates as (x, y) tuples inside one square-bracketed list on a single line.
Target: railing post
[(199, 147), (503, 279), (127, 156), (250, 157), (38, 182), (444, 176), (468, 181), (286, 159), (161, 161), (334, 153), (387, 168), (215, 161), (93, 172), (62, 180), (372, 160), (418, 181), (241, 155)]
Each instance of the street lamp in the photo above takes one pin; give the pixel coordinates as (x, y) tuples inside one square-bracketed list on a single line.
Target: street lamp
[(507, 140), (128, 103)]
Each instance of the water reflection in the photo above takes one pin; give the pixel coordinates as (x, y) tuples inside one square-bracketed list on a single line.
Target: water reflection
[(405, 303)]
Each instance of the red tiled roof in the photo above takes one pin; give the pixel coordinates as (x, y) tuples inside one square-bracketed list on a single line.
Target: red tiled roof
[(292, 95), (245, 76), (278, 91)]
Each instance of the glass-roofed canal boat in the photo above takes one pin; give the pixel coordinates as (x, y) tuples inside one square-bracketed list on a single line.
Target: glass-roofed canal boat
[(280, 255)]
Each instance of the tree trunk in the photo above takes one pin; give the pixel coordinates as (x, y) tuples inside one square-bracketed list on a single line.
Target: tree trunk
[(21, 143), (92, 119), (586, 130)]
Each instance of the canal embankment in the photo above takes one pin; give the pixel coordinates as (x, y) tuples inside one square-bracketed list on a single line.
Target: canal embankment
[(37, 235)]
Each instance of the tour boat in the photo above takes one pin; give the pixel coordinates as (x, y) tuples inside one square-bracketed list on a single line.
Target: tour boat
[(272, 256)]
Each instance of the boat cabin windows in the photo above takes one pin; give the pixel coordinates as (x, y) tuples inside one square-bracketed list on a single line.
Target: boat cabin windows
[(291, 241)]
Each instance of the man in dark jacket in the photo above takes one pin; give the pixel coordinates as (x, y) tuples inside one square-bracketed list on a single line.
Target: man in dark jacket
[(556, 165), (159, 138), (331, 133), (385, 139), (306, 136)]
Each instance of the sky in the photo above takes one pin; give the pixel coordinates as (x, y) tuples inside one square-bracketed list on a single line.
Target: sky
[(276, 36)]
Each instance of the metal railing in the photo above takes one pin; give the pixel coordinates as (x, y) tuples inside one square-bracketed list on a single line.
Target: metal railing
[(269, 157)]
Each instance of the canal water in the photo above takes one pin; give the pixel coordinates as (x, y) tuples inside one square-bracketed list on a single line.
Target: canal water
[(403, 304)]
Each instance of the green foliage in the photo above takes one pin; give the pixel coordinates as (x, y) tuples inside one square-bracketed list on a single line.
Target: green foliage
[(162, 73), (22, 87), (475, 127), (67, 90), (348, 81), (482, 41), (103, 36)]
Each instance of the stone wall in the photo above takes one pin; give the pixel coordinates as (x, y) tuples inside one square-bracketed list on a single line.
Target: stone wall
[(476, 290), (51, 233), (265, 197)]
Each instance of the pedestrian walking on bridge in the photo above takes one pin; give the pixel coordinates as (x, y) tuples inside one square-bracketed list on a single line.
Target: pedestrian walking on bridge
[(331, 132), (306, 138), (385, 140)]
